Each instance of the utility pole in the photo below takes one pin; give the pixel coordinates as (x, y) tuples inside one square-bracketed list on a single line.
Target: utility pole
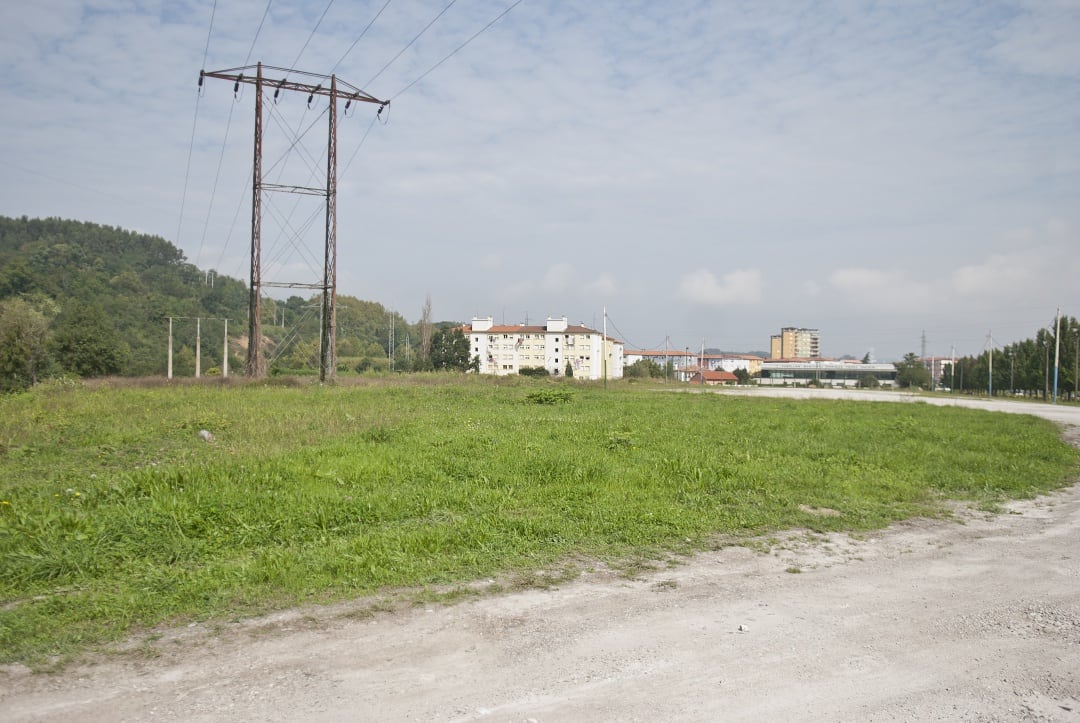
[(1046, 372), (169, 374), (390, 344), (225, 353), (604, 346), (952, 368), (198, 347), (991, 387), (1012, 370), (1057, 349), (333, 89), (701, 362), (667, 359)]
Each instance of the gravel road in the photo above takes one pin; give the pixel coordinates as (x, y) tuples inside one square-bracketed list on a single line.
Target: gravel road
[(972, 619)]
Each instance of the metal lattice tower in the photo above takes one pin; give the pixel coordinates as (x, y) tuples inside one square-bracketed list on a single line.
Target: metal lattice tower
[(333, 89)]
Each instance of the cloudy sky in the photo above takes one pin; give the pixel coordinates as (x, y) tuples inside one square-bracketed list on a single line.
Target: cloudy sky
[(705, 170)]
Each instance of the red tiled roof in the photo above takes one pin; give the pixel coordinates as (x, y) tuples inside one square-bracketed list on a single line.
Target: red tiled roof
[(720, 376)]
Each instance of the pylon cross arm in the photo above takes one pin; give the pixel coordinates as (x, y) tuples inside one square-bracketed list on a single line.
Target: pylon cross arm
[(248, 76)]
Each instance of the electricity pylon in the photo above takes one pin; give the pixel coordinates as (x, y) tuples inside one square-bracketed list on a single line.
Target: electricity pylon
[(326, 86)]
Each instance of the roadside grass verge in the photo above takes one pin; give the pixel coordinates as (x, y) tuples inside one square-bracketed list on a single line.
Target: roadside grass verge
[(115, 516)]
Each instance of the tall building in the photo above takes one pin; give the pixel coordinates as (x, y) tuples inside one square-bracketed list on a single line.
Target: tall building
[(795, 343), (507, 349)]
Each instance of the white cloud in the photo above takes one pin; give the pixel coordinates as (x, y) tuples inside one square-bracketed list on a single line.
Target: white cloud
[(738, 287), (602, 286), (1042, 39), (888, 290), (999, 274), (867, 159), (558, 278)]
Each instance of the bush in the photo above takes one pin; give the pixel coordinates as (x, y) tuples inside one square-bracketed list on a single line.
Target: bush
[(549, 396), (533, 372)]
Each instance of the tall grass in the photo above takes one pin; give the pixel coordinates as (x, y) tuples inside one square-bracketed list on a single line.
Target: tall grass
[(115, 515)]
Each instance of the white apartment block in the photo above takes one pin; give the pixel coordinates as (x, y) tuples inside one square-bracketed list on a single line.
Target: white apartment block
[(505, 349)]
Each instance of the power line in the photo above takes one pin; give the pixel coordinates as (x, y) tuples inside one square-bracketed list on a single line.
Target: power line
[(228, 126), (456, 50), (359, 145), (209, 32), (194, 124), (312, 35), (296, 62), (362, 34), (257, 31), (213, 191), (616, 328), (410, 43)]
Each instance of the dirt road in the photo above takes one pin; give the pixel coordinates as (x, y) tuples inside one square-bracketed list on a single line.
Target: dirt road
[(976, 619)]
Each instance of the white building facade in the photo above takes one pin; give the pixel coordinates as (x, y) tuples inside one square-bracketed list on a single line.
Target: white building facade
[(507, 349)]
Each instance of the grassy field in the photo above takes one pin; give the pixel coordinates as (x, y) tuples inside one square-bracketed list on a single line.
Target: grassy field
[(115, 515)]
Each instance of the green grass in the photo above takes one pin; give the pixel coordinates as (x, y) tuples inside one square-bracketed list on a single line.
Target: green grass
[(115, 516)]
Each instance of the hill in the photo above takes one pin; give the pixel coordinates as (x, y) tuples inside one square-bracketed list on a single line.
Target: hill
[(91, 300)]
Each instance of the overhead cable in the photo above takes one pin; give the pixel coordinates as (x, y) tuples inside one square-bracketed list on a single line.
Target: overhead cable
[(194, 124), (410, 43), (312, 35), (362, 34), (456, 50), (257, 31)]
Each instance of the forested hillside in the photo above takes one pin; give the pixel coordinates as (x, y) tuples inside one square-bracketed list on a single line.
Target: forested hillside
[(94, 300)]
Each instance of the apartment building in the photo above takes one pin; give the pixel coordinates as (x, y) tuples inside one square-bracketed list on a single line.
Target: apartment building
[(795, 343), (506, 349)]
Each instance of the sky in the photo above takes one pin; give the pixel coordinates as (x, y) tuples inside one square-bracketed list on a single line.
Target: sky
[(708, 172)]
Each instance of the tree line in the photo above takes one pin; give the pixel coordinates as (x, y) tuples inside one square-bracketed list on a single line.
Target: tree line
[(1024, 368), (91, 300)]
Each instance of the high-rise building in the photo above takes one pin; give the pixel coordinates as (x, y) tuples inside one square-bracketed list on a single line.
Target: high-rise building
[(795, 343)]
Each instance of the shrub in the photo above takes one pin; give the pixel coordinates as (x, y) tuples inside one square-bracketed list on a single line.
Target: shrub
[(549, 396)]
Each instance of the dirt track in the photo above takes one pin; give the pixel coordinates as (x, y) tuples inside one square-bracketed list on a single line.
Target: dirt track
[(975, 619)]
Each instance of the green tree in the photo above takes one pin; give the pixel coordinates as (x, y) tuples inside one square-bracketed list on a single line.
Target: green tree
[(569, 370), (643, 368), (743, 375), (911, 372), (24, 329), (86, 343), (869, 381), (427, 329), (450, 351)]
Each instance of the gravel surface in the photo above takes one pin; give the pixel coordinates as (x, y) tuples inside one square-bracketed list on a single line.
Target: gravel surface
[(972, 619)]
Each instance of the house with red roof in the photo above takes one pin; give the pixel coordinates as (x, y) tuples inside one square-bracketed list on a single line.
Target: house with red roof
[(713, 378)]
